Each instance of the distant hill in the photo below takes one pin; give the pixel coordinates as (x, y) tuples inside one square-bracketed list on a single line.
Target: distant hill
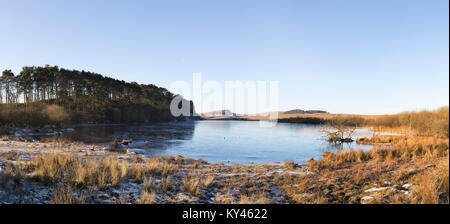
[(219, 113), (299, 111), (228, 113)]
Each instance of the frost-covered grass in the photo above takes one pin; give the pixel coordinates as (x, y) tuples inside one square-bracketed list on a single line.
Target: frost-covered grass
[(406, 170)]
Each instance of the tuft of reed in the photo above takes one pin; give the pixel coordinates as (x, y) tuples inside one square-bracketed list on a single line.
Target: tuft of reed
[(147, 198), (191, 185), (291, 165), (66, 195)]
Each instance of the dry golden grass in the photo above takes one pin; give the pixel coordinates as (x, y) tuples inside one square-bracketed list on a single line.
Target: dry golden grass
[(209, 181), (52, 168), (254, 199), (151, 167), (101, 172), (432, 185), (224, 199), (56, 113), (149, 185), (65, 195), (422, 161), (191, 185), (404, 149), (167, 183), (147, 198), (290, 165), (55, 168)]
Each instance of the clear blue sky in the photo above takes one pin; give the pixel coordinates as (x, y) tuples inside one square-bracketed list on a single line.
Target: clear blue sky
[(367, 57)]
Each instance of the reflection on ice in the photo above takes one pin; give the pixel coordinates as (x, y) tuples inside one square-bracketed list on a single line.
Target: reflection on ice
[(243, 142)]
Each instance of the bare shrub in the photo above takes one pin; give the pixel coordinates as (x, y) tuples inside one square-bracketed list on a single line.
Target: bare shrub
[(338, 130)]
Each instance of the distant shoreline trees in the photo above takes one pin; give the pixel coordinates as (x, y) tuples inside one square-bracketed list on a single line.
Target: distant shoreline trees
[(38, 84)]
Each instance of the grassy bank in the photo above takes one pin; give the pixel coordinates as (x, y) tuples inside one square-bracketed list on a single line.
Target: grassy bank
[(420, 123), (391, 167)]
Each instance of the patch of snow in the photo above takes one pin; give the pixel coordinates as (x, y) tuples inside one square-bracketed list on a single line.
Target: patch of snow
[(407, 186), (388, 183), (375, 189), (367, 198)]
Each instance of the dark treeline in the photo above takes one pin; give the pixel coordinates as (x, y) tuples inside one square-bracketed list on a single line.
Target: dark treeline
[(42, 95)]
